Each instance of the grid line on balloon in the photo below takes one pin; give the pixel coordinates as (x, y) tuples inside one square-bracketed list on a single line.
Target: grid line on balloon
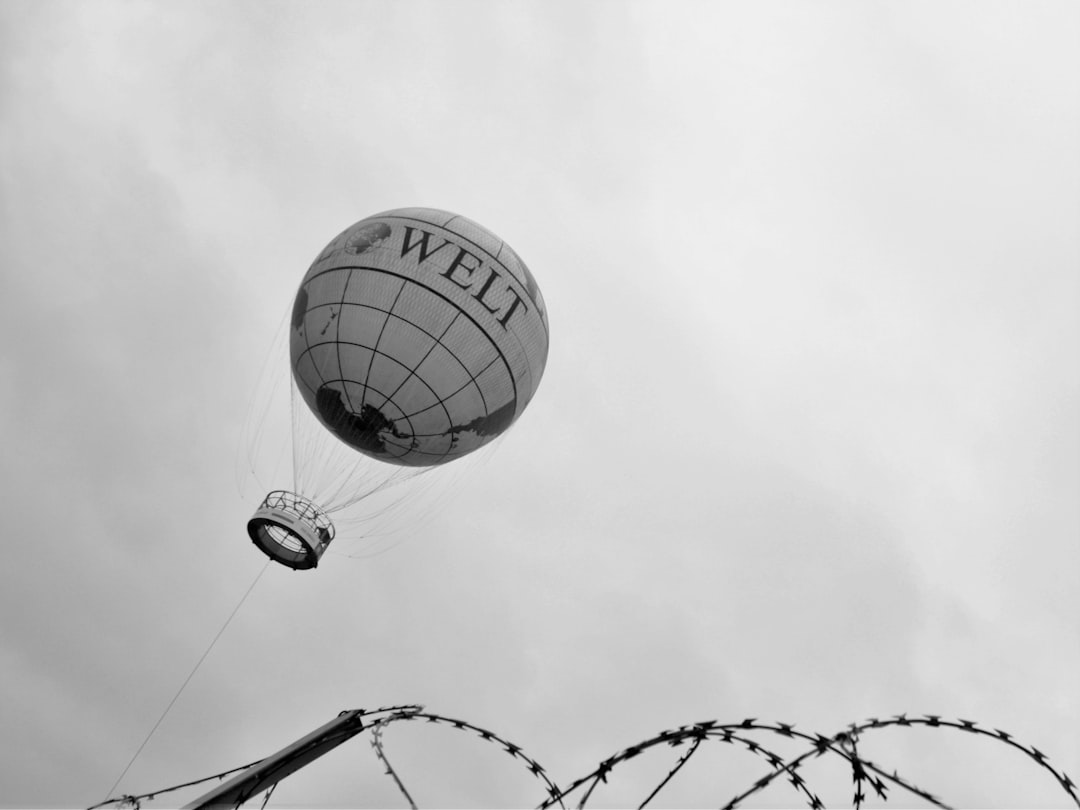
[(404, 371), (431, 429), (465, 361), (435, 343), (337, 340), (429, 381), (396, 322), (504, 256), (378, 340), (507, 260), (472, 384)]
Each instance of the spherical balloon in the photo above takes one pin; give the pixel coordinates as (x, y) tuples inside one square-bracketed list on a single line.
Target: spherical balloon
[(418, 336)]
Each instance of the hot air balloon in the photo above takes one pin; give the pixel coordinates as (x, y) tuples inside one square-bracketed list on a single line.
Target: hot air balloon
[(417, 336)]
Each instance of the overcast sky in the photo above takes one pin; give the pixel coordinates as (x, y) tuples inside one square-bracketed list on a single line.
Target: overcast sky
[(806, 449)]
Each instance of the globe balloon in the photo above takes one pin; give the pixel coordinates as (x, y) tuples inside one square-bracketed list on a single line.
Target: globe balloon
[(417, 337)]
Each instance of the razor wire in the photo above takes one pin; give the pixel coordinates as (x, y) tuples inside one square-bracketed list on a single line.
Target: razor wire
[(844, 744)]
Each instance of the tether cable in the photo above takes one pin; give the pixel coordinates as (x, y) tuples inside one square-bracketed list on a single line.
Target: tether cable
[(188, 678)]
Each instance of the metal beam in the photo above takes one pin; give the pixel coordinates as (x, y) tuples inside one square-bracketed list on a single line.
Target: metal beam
[(268, 772)]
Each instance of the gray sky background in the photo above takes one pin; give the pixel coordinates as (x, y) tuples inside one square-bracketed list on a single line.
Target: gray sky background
[(806, 449)]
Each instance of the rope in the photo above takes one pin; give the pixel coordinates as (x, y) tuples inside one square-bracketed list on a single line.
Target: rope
[(188, 679)]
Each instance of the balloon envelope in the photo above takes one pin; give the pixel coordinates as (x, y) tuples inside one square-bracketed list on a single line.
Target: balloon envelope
[(418, 336)]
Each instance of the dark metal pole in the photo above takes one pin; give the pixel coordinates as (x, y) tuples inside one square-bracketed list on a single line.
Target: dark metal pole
[(268, 772)]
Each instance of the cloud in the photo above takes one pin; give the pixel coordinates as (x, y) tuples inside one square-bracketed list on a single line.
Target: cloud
[(805, 447)]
